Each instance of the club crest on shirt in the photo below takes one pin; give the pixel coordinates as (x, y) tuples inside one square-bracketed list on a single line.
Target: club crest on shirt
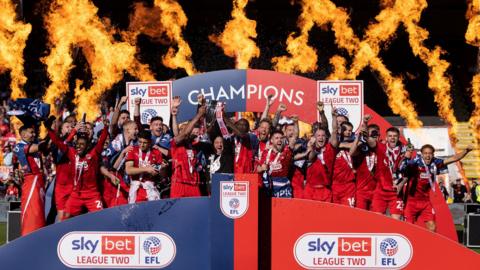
[(234, 198)]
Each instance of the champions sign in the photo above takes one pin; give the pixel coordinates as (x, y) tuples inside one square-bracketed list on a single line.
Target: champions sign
[(360, 251), (116, 250), (156, 99), (247, 91)]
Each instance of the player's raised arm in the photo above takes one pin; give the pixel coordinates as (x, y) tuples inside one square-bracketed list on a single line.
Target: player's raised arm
[(334, 136), (458, 156), (268, 104), (191, 124)]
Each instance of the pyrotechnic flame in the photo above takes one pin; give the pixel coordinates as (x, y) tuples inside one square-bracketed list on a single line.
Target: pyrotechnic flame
[(303, 57), (75, 23), (164, 22), (438, 81), (13, 38), (237, 37), (472, 36), (365, 52)]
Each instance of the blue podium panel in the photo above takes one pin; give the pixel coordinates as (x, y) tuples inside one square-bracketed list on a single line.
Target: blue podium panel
[(184, 221)]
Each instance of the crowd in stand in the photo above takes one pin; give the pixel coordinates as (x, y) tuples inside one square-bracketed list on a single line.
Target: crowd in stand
[(115, 161)]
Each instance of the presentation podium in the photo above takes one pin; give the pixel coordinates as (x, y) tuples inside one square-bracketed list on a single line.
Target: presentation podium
[(237, 227)]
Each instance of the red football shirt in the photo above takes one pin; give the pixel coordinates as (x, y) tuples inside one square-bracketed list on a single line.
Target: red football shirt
[(343, 169), (278, 163), (86, 169), (320, 171), (184, 163), (243, 155), (143, 159), (365, 165)]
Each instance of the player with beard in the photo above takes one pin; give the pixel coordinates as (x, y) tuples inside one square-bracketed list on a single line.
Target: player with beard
[(185, 165), (343, 178), (422, 172), (160, 140), (365, 164), (143, 165), (322, 152), (389, 157), (276, 161), (27, 152), (86, 166)]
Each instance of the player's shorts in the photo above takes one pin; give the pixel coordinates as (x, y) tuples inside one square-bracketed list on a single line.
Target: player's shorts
[(318, 193), (297, 184), (78, 201), (419, 210), (62, 192), (180, 190), (344, 194), (383, 200), (363, 199)]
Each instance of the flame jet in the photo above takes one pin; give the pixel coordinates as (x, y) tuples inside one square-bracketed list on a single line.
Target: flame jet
[(163, 22), (237, 37), (13, 39), (74, 23)]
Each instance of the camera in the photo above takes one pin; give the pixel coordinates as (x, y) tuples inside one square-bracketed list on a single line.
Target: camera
[(157, 167)]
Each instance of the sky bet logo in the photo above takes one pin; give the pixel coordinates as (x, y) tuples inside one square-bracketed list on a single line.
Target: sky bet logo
[(347, 246), (110, 245), (153, 91), (342, 90)]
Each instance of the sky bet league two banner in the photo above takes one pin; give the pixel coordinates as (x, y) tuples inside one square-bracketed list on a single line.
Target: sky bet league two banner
[(247, 90)]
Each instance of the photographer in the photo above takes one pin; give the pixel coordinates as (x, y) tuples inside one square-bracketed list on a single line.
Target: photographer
[(143, 165)]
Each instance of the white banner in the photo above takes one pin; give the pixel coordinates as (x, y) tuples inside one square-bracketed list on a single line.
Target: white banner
[(346, 96), (156, 99)]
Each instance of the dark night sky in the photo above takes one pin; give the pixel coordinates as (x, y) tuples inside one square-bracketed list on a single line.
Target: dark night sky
[(445, 19)]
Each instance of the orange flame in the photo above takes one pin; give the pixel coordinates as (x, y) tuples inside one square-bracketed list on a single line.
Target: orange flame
[(438, 81), (13, 38), (237, 37), (164, 22), (365, 53), (75, 23), (472, 36), (303, 57)]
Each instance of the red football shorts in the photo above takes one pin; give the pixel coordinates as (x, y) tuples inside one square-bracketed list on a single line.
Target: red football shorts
[(363, 199), (322, 194), (383, 200), (92, 201), (344, 194), (180, 190), (419, 210), (297, 184)]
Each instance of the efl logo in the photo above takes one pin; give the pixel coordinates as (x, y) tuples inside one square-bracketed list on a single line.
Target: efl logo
[(351, 246), (118, 245), (158, 91), (349, 90)]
